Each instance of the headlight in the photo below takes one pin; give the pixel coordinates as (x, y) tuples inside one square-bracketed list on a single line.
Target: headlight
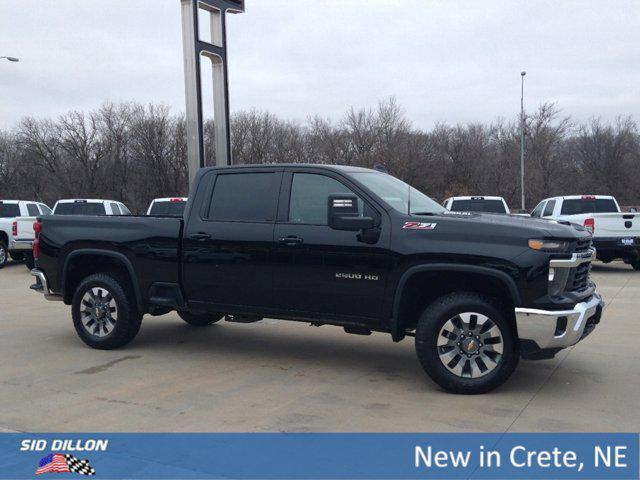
[(548, 245)]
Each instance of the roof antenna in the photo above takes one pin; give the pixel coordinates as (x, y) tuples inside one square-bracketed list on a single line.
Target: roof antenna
[(409, 200), (378, 167)]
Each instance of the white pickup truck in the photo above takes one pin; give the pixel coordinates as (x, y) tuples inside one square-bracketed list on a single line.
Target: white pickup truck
[(16, 229), (615, 234)]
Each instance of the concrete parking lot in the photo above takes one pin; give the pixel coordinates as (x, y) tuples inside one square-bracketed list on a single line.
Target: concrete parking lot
[(285, 376)]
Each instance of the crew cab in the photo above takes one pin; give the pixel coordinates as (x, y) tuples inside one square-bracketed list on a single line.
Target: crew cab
[(476, 204), (616, 235), (331, 245), (168, 207), (15, 240), (86, 206)]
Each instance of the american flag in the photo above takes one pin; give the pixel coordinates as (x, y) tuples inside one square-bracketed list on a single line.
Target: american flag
[(54, 462), (62, 463)]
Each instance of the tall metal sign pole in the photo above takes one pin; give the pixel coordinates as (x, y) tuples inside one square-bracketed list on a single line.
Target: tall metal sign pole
[(194, 50)]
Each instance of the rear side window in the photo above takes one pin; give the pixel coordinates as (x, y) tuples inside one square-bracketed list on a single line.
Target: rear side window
[(548, 210), (32, 210), (170, 209), (584, 205), (9, 210), (80, 208), (245, 197), (488, 206)]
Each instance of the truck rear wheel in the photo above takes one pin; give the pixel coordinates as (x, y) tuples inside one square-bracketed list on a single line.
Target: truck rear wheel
[(3, 253), (104, 313), (466, 344), (635, 264), (200, 319)]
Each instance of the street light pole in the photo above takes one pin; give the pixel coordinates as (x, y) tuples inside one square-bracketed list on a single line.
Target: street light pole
[(522, 74), (11, 59)]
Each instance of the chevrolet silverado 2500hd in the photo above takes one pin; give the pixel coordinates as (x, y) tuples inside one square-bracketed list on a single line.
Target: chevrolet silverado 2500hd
[(333, 245)]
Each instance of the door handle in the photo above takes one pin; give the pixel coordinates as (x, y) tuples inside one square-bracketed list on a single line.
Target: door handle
[(200, 236), (291, 240)]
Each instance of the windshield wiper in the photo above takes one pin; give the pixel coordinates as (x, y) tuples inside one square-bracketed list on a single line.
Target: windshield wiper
[(422, 213)]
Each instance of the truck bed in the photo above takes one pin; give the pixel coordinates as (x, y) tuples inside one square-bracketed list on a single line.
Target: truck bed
[(150, 246)]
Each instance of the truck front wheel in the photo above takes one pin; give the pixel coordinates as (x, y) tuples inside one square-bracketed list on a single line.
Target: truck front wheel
[(104, 312), (200, 319), (466, 344)]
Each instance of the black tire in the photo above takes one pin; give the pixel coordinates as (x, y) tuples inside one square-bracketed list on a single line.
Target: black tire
[(200, 319), (3, 253), (428, 330), (29, 261), (128, 321), (635, 264), (17, 256)]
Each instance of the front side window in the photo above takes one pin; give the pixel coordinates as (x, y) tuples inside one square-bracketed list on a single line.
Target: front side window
[(537, 212), (548, 210), (397, 194), (309, 194), (32, 210), (244, 197), (44, 209), (115, 210)]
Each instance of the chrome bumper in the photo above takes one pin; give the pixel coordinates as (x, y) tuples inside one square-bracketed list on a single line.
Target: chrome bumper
[(42, 286), (545, 327), (20, 245)]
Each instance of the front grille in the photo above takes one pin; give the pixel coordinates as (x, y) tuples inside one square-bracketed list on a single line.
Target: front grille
[(578, 279), (583, 245)]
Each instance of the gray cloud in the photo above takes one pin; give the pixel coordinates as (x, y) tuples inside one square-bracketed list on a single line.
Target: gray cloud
[(444, 61)]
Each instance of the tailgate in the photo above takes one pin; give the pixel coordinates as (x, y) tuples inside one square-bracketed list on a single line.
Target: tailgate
[(25, 228), (616, 225)]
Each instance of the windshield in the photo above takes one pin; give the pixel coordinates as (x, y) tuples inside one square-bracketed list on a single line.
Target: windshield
[(396, 193), (478, 205)]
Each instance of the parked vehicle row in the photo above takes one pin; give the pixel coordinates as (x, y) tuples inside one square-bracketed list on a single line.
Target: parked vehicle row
[(17, 218), (333, 245)]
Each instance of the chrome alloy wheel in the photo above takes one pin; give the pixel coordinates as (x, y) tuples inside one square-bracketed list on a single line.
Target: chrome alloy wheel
[(99, 312), (470, 345), (3, 254)]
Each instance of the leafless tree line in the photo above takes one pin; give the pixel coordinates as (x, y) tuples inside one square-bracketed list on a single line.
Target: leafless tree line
[(133, 153)]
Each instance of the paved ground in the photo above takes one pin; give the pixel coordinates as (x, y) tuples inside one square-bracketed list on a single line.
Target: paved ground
[(280, 376)]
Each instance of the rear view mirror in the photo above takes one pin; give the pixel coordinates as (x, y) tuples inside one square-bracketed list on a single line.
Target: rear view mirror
[(342, 214)]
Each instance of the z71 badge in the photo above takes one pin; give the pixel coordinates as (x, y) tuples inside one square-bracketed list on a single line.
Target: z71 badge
[(419, 226)]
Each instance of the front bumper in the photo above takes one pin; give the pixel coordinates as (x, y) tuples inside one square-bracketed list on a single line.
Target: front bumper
[(543, 333), (42, 285)]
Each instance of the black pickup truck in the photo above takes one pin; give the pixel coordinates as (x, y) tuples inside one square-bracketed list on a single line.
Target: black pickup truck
[(332, 245)]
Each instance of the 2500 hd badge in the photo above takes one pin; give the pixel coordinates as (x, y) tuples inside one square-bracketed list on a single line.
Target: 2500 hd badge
[(478, 292)]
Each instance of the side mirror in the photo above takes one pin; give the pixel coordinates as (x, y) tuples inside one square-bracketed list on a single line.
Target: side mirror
[(342, 214)]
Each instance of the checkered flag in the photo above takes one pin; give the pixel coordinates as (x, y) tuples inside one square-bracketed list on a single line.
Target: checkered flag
[(79, 466)]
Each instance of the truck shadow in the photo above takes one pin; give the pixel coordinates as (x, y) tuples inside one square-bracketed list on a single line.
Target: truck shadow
[(298, 352)]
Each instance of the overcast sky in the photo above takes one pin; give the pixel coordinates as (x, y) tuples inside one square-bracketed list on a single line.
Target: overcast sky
[(446, 60)]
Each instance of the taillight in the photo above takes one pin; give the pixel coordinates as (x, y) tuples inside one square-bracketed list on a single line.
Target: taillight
[(174, 200), (37, 228), (14, 229), (590, 224)]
